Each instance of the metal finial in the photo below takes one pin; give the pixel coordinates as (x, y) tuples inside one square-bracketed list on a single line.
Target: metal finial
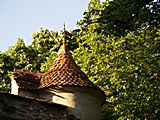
[(64, 41), (64, 27)]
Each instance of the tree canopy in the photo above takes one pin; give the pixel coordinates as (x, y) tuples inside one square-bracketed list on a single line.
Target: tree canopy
[(119, 17), (116, 45)]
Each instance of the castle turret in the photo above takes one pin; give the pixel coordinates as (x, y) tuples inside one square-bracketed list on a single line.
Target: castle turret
[(64, 83)]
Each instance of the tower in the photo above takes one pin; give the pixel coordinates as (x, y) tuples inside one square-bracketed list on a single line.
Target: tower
[(63, 83)]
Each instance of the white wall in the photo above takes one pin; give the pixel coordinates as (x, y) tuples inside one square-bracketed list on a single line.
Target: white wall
[(84, 103), (87, 107), (14, 87), (67, 99)]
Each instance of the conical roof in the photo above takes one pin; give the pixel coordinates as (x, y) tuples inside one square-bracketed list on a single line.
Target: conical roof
[(62, 72), (65, 72)]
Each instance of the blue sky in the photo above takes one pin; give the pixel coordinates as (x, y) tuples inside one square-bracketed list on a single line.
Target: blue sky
[(20, 18)]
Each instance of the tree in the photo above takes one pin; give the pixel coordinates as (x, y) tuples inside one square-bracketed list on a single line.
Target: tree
[(36, 56), (120, 17), (5, 68), (123, 59), (127, 69)]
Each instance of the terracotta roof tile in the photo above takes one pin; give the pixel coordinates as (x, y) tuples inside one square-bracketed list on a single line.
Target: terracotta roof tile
[(27, 79), (65, 72)]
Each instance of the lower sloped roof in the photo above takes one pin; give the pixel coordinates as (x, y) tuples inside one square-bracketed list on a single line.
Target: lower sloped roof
[(27, 79)]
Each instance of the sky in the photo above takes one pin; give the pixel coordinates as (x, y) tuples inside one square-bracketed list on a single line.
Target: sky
[(20, 18)]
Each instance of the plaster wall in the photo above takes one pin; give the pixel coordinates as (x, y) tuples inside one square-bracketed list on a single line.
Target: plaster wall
[(67, 99), (55, 96), (14, 87), (84, 103), (87, 107), (80, 103)]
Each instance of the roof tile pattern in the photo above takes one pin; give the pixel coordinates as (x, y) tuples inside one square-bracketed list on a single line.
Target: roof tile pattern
[(27, 79), (62, 72), (65, 72)]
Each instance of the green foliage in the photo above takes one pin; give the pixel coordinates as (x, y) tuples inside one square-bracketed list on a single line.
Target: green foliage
[(120, 17), (36, 56), (31, 57), (5, 68), (44, 42), (127, 69), (119, 51), (133, 78)]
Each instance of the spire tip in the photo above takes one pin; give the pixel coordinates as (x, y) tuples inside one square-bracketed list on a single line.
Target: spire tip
[(64, 41)]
